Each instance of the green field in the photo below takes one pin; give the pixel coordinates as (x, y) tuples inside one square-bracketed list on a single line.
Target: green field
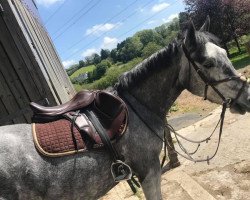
[(82, 71), (241, 59)]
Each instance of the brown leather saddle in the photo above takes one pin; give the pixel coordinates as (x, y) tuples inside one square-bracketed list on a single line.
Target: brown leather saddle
[(67, 128)]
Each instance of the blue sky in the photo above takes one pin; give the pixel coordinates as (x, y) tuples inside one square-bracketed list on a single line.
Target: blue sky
[(79, 28)]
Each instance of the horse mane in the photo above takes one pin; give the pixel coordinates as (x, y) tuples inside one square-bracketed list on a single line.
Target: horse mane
[(160, 60), (157, 61)]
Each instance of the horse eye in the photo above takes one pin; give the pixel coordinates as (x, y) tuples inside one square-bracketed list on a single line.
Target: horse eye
[(228, 71), (208, 64)]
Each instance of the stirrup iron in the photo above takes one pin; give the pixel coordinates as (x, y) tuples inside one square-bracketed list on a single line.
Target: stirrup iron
[(120, 171)]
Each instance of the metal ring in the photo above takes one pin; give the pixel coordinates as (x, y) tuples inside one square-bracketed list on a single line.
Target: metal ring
[(228, 102), (248, 80)]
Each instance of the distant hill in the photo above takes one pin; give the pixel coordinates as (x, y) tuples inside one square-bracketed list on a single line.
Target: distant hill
[(82, 71)]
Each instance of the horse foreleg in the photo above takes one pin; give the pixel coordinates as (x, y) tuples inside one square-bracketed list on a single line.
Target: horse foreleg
[(151, 182), (173, 158)]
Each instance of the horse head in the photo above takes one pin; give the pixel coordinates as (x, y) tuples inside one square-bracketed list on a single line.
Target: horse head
[(206, 67)]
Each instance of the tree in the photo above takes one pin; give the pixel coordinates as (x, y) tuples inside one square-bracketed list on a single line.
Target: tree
[(183, 20), (168, 31), (150, 48), (227, 16), (149, 35), (131, 48), (198, 11), (93, 59), (105, 53), (89, 60), (237, 15), (81, 64), (105, 63), (72, 69), (99, 71), (113, 55), (96, 58)]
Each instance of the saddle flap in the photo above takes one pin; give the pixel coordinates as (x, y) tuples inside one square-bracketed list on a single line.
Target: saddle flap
[(83, 124)]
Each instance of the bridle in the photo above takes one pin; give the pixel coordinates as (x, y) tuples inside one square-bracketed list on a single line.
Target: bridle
[(227, 102)]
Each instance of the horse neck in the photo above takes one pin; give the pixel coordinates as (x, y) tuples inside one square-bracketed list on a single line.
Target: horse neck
[(161, 88)]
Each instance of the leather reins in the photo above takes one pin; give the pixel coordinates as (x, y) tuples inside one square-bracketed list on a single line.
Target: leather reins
[(227, 102)]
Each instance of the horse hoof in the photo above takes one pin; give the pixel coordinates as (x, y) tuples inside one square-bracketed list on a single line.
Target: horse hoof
[(170, 166), (176, 164)]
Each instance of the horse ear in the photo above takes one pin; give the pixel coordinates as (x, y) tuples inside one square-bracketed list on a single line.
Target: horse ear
[(206, 25), (190, 39)]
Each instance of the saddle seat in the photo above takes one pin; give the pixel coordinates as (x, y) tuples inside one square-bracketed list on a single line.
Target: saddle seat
[(66, 129), (80, 100)]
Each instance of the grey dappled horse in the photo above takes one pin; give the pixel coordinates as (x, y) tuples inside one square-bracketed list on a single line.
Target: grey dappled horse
[(155, 83)]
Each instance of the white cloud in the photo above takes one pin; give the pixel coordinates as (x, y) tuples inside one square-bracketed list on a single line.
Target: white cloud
[(47, 3), (140, 9), (152, 22), (109, 43), (89, 52), (159, 7), (99, 28), (68, 63), (170, 18)]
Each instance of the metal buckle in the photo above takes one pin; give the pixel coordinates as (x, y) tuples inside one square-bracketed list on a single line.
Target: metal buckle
[(244, 78), (120, 171), (228, 102)]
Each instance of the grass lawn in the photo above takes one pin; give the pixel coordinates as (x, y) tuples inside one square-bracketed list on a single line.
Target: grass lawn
[(82, 71), (241, 59)]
